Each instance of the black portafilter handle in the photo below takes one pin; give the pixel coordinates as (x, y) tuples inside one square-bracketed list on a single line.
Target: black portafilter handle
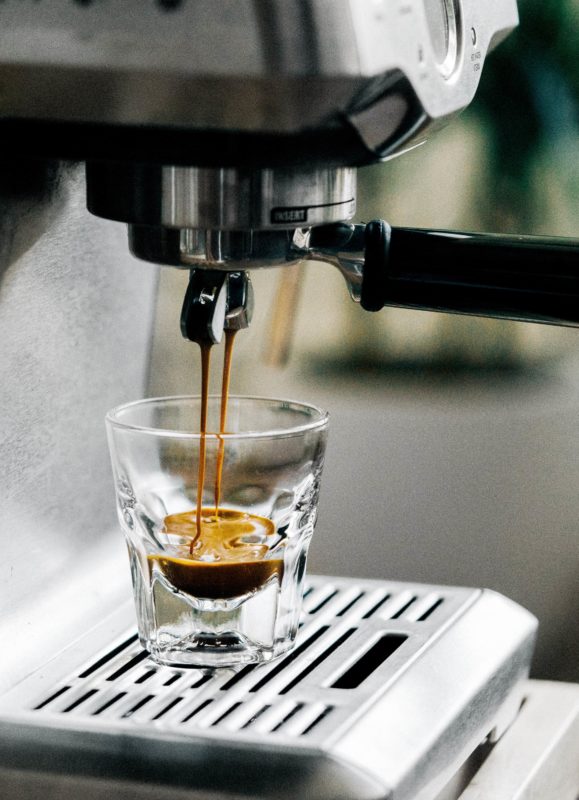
[(533, 279)]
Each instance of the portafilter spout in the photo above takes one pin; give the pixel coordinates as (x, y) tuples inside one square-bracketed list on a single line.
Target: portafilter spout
[(526, 278), (229, 220), (215, 301)]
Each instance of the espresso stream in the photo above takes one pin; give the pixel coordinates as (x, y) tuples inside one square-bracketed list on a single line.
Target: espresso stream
[(219, 553)]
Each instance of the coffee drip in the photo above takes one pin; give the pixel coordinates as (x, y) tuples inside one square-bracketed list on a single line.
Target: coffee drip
[(220, 553), (226, 377)]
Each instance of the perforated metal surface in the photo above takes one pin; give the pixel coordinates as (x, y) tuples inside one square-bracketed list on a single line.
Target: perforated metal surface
[(387, 691), (293, 696)]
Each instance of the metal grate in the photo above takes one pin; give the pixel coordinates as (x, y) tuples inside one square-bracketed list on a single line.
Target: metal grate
[(123, 684), (365, 650)]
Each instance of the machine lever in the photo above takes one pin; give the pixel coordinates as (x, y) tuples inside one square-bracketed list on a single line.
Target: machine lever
[(527, 278), (377, 238), (533, 279)]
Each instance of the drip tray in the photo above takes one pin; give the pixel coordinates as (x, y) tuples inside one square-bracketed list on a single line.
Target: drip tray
[(388, 691)]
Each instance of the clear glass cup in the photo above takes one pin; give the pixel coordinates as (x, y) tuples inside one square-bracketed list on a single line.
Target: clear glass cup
[(217, 574)]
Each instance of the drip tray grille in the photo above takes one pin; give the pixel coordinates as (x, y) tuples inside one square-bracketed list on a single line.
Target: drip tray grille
[(361, 644), (124, 684)]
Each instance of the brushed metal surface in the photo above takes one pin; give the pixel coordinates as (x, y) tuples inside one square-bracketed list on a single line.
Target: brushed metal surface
[(242, 65), (75, 317), (538, 758), (222, 199), (288, 728)]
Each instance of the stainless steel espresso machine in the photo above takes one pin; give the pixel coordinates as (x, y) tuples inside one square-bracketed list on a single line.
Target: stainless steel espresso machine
[(227, 135)]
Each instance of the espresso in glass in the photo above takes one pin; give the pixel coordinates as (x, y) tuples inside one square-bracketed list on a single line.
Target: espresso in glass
[(217, 584), (229, 559), (221, 553)]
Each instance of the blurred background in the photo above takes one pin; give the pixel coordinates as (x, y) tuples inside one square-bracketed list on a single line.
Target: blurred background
[(454, 446)]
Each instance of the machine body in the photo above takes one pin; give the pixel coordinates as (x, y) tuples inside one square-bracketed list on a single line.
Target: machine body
[(227, 135), (231, 148)]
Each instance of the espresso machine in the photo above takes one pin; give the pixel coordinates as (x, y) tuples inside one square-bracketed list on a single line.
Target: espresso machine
[(227, 134)]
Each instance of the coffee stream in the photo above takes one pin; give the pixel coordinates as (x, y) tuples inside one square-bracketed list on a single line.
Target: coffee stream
[(220, 553), (225, 380), (205, 366)]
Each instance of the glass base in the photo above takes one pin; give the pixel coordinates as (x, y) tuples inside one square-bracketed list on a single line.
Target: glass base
[(178, 630), (204, 650)]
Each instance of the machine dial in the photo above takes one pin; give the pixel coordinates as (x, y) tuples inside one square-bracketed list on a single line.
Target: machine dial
[(442, 17)]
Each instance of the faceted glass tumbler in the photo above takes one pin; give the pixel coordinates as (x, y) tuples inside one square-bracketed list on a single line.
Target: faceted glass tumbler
[(217, 526)]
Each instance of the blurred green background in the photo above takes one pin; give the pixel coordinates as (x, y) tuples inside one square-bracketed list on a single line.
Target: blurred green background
[(528, 110), (509, 164)]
